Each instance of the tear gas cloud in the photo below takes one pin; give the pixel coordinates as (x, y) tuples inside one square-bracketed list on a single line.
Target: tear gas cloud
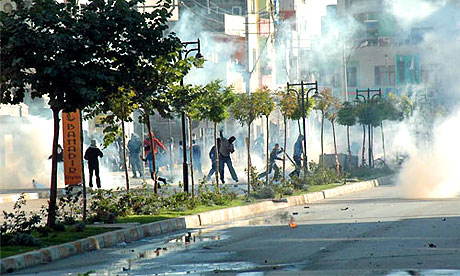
[(432, 168), (27, 146)]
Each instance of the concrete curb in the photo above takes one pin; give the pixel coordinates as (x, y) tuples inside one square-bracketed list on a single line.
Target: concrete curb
[(53, 253)]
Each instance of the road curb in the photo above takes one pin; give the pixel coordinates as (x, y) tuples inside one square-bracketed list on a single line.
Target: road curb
[(109, 239)]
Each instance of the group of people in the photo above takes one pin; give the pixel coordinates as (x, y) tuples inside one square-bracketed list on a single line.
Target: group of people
[(225, 148)]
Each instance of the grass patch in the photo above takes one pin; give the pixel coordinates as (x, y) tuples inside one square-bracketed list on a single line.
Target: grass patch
[(53, 238), (174, 214)]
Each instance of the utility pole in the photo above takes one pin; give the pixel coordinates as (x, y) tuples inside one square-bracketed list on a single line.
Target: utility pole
[(248, 92)]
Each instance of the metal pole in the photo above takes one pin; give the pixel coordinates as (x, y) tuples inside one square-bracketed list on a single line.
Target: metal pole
[(304, 128), (184, 151)]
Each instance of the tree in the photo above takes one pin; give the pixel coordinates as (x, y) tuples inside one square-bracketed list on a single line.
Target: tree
[(117, 110), (323, 105), (263, 100), (213, 105), (76, 55), (46, 48), (347, 117), (289, 107), (331, 115), (245, 110)]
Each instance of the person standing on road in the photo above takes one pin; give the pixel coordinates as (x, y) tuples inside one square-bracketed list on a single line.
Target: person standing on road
[(273, 157), (226, 148), (298, 151), (92, 154), (135, 148), (212, 156)]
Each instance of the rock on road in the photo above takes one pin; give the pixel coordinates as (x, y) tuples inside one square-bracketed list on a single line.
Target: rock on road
[(375, 232)]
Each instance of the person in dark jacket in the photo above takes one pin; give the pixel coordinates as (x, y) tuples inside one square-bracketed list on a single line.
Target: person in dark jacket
[(298, 152), (225, 150), (272, 164), (92, 154), (212, 156)]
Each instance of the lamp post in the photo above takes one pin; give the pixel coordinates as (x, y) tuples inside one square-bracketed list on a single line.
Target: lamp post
[(302, 96), (184, 136), (367, 100)]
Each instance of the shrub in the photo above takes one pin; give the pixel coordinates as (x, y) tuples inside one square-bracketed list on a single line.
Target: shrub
[(17, 221), (69, 207), (264, 192), (19, 238), (104, 206)]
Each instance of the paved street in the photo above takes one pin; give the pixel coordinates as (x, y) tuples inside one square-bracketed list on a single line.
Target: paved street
[(377, 232)]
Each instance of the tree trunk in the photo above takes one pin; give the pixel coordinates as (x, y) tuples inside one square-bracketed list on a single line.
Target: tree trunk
[(249, 159), (383, 143), (284, 148), (337, 164), (152, 150), (349, 148), (363, 160), (267, 156), (53, 188), (191, 154), (216, 152), (125, 168), (322, 141)]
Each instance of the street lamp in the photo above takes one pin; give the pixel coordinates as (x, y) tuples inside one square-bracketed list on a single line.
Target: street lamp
[(302, 96), (366, 100), (184, 136)]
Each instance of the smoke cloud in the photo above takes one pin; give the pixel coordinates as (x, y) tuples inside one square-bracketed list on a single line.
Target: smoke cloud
[(432, 168)]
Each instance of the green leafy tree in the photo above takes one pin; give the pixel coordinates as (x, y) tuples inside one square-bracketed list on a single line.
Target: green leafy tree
[(322, 105), (48, 49), (289, 107), (117, 110), (213, 105), (347, 117), (245, 110), (263, 100), (331, 115)]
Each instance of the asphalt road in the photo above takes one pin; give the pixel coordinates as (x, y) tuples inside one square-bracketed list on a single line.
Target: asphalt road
[(376, 232)]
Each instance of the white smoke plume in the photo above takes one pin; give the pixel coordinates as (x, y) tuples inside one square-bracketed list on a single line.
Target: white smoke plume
[(432, 168), (434, 172), (27, 146)]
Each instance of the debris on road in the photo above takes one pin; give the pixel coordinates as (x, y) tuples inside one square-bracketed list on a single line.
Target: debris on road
[(295, 213), (344, 209), (292, 224), (432, 245)]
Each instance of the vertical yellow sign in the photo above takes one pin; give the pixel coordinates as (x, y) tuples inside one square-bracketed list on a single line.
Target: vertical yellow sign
[(71, 133)]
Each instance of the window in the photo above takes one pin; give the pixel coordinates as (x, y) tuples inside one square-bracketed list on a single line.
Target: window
[(384, 75), (352, 76), (236, 10)]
